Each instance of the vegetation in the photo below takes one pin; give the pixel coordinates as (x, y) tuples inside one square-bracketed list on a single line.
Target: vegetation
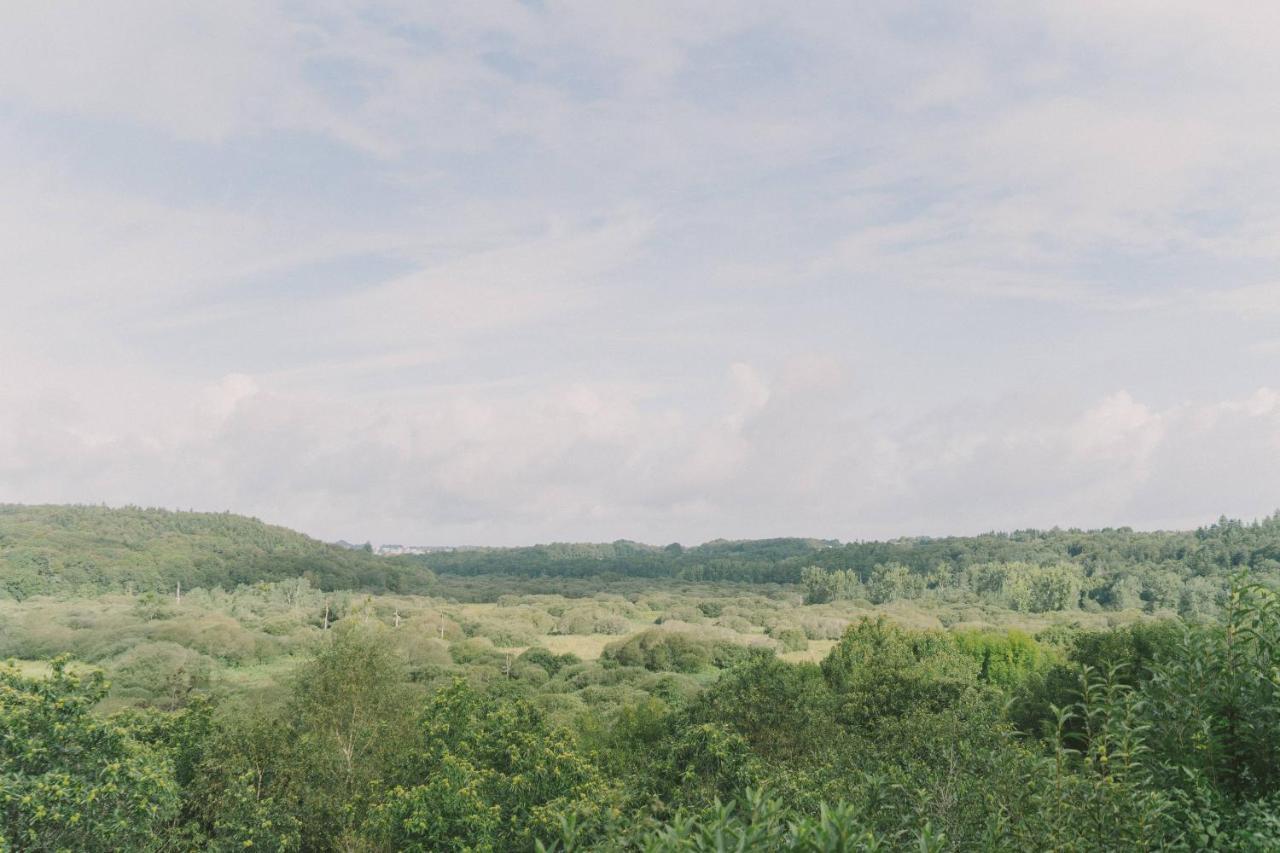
[(982, 695), (57, 550), (1029, 570)]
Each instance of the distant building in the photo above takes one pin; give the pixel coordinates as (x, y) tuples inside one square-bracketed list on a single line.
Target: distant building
[(402, 550)]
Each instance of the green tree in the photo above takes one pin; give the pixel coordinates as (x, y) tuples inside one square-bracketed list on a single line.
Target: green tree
[(70, 780), (822, 585), (880, 670), (488, 773), (351, 715)]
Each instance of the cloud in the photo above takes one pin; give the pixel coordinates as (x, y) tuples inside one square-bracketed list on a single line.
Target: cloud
[(787, 453), (1251, 300), (505, 271)]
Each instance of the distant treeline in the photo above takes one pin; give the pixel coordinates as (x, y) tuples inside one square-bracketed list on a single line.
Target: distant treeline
[(48, 550), (1115, 568), (55, 550)]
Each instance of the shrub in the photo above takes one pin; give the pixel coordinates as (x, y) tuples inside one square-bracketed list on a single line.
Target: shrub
[(659, 651), (791, 639), (163, 673)]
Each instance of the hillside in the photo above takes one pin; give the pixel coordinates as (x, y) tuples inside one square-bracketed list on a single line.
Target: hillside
[(48, 550)]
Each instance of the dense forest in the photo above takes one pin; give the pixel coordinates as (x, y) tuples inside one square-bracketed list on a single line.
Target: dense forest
[(1222, 547), (51, 550), (1112, 569), (1062, 690)]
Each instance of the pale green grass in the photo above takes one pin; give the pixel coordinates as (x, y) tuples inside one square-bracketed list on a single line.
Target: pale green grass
[(40, 668), (817, 650), (256, 676), (585, 646), (30, 667)]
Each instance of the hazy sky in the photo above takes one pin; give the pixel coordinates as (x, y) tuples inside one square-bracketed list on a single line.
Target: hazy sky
[(514, 272)]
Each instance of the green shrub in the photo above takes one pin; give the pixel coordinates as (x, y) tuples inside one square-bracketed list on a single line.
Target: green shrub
[(162, 673), (791, 639)]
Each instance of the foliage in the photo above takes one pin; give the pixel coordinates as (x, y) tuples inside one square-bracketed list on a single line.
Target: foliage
[(72, 781), (47, 550), (822, 586), (1029, 570), (1058, 690), (662, 650), (878, 669), (488, 774), (347, 717)]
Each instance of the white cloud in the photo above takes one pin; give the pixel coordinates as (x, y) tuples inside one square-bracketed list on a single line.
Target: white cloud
[(501, 272), (1250, 300), (796, 455)]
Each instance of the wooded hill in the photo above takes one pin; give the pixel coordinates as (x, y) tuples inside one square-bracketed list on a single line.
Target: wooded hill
[(47, 550)]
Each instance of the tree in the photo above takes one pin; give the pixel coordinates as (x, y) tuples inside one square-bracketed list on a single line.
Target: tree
[(782, 710), (244, 791), (822, 586), (893, 581), (70, 780), (351, 716), (880, 670), (488, 773)]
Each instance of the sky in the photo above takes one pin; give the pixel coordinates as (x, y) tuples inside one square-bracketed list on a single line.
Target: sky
[(504, 273)]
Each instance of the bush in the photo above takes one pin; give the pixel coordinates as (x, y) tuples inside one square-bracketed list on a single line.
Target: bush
[(216, 635), (163, 674), (660, 651), (488, 774), (550, 662)]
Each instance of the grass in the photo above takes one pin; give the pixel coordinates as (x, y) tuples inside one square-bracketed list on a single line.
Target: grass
[(817, 650), (585, 646), (258, 676), (30, 667)]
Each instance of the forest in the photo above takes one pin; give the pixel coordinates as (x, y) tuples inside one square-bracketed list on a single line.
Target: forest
[(193, 681)]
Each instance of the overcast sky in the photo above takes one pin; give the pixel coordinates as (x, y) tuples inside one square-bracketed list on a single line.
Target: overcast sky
[(506, 273)]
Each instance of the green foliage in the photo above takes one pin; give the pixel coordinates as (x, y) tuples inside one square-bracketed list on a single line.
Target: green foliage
[(1029, 570), (47, 550), (72, 781), (783, 711), (791, 639), (759, 822), (822, 586), (1038, 589), (278, 716), (165, 674), (892, 581), (1130, 651), (878, 668), (1005, 658), (1213, 701), (349, 715), (488, 774), (662, 650), (550, 663)]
